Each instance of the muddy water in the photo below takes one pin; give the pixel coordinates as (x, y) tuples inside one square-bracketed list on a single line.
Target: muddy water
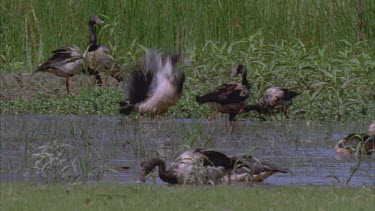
[(111, 148)]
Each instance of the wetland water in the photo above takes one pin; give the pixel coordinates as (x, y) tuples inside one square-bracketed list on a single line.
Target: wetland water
[(96, 144)]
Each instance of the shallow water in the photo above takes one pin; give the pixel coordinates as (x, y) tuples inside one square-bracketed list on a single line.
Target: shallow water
[(117, 145)]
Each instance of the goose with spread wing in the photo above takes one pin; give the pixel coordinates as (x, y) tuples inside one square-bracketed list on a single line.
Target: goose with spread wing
[(154, 85)]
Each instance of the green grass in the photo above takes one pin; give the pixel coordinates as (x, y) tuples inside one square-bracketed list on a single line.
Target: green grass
[(309, 46), (30, 29), (89, 102), (337, 87), (160, 197)]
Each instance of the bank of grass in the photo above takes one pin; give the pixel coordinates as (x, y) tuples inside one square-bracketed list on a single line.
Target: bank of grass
[(334, 85), (30, 29), (159, 197), (89, 102)]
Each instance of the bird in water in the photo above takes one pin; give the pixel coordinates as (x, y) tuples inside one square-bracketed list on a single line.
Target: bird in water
[(275, 99), (200, 166), (361, 143), (229, 98), (154, 85), (99, 57), (251, 169), (65, 62)]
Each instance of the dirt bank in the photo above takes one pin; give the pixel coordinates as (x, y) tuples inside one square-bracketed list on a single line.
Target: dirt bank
[(28, 86)]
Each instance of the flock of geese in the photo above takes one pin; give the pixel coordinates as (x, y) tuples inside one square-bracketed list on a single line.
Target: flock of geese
[(156, 83), (69, 61)]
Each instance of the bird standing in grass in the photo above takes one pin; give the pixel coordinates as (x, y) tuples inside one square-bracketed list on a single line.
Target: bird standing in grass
[(65, 62), (153, 87), (201, 166), (228, 98), (99, 57), (274, 99)]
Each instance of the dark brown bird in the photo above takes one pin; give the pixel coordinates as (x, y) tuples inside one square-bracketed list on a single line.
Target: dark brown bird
[(99, 57), (274, 99), (65, 62), (361, 143), (201, 166), (228, 98), (153, 87)]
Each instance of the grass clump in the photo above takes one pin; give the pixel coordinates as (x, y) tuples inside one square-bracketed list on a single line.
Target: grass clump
[(146, 197)]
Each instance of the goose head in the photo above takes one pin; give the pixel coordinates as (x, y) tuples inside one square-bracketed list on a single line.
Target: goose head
[(241, 69), (148, 166), (238, 69), (95, 20)]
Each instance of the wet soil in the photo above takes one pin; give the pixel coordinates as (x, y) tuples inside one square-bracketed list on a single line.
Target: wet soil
[(29, 86)]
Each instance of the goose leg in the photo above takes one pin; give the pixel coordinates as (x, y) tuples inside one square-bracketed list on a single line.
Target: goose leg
[(69, 85), (232, 122), (232, 117), (106, 80), (98, 79)]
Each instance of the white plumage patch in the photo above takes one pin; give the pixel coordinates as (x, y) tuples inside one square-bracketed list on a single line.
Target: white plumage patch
[(163, 94)]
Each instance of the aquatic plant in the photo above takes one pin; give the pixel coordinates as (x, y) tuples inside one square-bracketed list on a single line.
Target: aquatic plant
[(53, 163), (58, 162)]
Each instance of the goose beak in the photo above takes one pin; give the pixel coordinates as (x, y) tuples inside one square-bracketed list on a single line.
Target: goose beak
[(234, 72), (98, 21)]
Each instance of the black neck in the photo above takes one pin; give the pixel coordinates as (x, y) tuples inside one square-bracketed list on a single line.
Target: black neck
[(245, 82), (92, 34), (166, 176)]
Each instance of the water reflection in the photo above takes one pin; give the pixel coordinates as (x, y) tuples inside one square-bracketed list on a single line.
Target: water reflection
[(120, 144)]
